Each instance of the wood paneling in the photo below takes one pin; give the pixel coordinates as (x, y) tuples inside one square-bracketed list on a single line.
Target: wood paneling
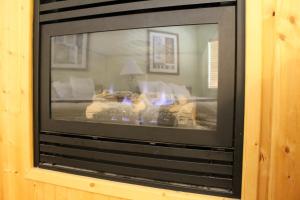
[(268, 14), (284, 173), (279, 173), (272, 113), (253, 87)]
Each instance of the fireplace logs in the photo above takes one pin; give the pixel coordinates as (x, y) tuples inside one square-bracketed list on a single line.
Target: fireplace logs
[(142, 109)]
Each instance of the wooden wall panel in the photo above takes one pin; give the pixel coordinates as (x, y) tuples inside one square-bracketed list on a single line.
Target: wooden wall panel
[(272, 105), (1, 102), (268, 19), (284, 171), (279, 159), (253, 87)]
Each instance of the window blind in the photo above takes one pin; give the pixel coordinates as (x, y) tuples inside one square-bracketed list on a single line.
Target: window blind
[(213, 55)]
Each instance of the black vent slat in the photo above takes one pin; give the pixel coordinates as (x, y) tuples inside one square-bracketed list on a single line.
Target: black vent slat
[(139, 172), (79, 3), (70, 4), (138, 148), (119, 8), (195, 167)]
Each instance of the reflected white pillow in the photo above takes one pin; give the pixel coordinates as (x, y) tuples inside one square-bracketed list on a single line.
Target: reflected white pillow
[(179, 90), (82, 88), (54, 95), (148, 86), (63, 90), (164, 87)]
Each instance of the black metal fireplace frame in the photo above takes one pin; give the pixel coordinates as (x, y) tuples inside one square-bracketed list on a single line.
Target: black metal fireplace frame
[(228, 153), (222, 137)]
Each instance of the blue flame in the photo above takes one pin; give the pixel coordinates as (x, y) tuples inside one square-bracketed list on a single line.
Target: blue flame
[(127, 101)]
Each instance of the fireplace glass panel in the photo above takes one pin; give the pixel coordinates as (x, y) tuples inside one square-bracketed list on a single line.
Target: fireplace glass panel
[(163, 76)]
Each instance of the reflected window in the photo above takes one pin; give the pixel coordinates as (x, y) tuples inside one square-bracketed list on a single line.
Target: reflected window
[(213, 53)]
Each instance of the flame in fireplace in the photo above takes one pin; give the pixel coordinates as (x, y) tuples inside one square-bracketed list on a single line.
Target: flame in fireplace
[(125, 119), (127, 101)]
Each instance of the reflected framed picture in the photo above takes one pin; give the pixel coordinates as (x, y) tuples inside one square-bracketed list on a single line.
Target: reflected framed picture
[(69, 51), (163, 52)]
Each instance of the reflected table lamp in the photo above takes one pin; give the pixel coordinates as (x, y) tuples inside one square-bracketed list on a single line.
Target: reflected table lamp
[(131, 69)]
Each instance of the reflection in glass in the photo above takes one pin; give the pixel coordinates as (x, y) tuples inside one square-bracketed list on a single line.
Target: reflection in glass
[(165, 76)]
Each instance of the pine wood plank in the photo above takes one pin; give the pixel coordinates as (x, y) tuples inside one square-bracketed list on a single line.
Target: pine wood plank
[(40, 191), (11, 57), (34, 191), (253, 88), (78, 195), (268, 35), (61, 193), (284, 171), (49, 192), (1, 103)]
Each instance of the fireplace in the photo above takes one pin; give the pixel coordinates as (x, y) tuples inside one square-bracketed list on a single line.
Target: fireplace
[(145, 92)]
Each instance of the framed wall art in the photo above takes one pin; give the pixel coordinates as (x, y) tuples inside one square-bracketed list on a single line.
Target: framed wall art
[(69, 51), (163, 52)]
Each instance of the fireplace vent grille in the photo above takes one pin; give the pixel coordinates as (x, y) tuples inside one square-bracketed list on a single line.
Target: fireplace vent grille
[(141, 161), (78, 10)]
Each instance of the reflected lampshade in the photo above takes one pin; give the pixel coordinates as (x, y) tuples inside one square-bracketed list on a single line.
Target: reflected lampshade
[(131, 68)]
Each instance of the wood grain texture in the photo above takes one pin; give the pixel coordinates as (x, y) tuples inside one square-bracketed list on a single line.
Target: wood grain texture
[(284, 170), (268, 19), (279, 174), (1, 100), (272, 114), (253, 87)]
